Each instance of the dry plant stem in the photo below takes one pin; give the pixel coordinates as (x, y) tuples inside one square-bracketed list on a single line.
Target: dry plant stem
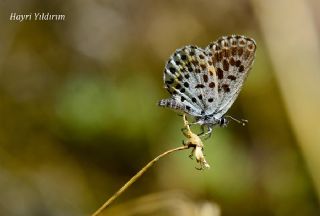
[(135, 177), (193, 142)]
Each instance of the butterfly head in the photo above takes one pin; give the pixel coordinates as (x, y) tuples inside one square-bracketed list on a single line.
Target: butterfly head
[(223, 121), (213, 120)]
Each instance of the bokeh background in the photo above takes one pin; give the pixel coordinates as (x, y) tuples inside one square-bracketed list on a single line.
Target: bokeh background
[(78, 113)]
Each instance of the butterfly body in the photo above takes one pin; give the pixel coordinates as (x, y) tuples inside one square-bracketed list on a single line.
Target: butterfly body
[(204, 83)]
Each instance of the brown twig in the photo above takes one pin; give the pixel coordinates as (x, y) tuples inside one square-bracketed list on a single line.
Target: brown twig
[(193, 141), (135, 177)]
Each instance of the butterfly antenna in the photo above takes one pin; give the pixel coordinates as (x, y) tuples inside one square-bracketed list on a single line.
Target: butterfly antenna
[(243, 122)]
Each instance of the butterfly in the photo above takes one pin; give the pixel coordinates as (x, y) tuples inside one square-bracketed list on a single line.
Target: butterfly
[(204, 83)]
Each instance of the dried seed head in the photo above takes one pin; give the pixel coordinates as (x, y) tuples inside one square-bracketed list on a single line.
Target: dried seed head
[(194, 141)]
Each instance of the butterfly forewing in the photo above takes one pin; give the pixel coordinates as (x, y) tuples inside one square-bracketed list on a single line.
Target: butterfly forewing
[(232, 57)]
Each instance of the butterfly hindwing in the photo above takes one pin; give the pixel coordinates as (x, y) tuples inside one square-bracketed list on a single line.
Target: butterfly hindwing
[(187, 78)]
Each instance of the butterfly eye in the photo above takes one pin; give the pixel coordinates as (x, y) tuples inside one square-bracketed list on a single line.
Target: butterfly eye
[(223, 122)]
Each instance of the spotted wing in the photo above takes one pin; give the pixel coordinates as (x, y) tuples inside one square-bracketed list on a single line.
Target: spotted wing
[(189, 75), (232, 57)]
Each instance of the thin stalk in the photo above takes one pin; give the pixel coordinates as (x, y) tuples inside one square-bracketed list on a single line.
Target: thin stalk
[(135, 177)]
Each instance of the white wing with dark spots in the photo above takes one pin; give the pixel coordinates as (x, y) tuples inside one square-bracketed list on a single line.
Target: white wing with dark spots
[(233, 58), (206, 82)]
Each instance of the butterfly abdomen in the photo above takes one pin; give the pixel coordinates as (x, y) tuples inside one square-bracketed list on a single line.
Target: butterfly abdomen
[(176, 105), (172, 104)]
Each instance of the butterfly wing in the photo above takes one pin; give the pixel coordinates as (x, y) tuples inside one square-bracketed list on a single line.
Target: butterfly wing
[(232, 57), (189, 77)]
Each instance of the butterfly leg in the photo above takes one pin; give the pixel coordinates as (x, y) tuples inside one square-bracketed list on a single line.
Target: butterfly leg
[(202, 131), (193, 123), (208, 133)]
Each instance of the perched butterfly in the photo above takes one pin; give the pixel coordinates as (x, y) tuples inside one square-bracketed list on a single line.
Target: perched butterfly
[(204, 83)]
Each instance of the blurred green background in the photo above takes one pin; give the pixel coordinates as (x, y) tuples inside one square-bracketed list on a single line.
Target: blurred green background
[(79, 115)]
